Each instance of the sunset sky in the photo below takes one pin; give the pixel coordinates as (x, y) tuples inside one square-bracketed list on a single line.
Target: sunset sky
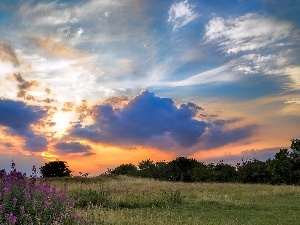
[(98, 83)]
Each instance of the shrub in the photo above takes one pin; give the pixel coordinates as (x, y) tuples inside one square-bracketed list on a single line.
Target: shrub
[(34, 201), (55, 169)]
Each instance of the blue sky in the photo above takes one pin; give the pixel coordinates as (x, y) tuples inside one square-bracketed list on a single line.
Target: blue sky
[(110, 82)]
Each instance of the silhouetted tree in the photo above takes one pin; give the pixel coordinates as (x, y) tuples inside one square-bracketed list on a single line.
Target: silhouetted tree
[(182, 169), (295, 156), (225, 172), (281, 167), (162, 170), (125, 169), (147, 168), (55, 169), (202, 173)]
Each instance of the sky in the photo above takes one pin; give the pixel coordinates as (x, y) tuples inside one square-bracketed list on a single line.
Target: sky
[(99, 83)]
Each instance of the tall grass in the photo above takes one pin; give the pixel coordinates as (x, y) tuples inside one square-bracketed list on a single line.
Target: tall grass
[(127, 200)]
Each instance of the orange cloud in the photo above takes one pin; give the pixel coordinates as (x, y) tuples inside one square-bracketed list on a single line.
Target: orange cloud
[(57, 49), (7, 54)]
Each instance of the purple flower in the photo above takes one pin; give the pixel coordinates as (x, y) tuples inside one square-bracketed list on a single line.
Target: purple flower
[(6, 189), (47, 201), (15, 200), (11, 218)]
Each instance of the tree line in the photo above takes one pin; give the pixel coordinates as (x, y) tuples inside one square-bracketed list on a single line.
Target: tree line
[(283, 168)]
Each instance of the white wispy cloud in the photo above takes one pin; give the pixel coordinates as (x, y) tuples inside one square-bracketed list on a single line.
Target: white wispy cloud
[(266, 64), (49, 14), (219, 74), (180, 14), (247, 32), (263, 45)]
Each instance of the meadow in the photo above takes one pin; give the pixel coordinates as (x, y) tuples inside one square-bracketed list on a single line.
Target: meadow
[(131, 200)]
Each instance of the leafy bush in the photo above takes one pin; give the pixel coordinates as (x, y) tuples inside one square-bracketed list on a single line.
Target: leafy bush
[(34, 201), (55, 169)]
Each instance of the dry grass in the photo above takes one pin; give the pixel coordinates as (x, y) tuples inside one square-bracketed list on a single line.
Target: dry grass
[(126, 200)]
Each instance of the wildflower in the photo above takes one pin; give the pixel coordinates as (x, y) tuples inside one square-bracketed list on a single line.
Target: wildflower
[(47, 201), (53, 190), (11, 218), (15, 200), (6, 189), (27, 195)]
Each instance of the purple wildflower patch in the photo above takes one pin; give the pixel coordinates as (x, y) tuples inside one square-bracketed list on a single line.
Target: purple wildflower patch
[(31, 200)]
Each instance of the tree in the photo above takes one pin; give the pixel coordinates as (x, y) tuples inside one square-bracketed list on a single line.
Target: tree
[(281, 167), (285, 167), (295, 156), (162, 170), (253, 171), (202, 173), (125, 169), (224, 172), (182, 169), (147, 168), (55, 169)]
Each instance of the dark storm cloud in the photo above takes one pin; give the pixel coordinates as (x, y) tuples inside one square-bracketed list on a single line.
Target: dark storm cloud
[(73, 147), (218, 135), (144, 121), (17, 118)]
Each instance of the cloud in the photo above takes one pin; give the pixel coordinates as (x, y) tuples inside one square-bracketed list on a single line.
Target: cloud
[(8, 54), (260, 154), (73, 147), (18, 118), (145, 120), (24, 86), (54, 47), (180, 14), (293, 101), (219, 74), (247, 33), (60, 15), (218, 135), (8, 145), (148, 120)]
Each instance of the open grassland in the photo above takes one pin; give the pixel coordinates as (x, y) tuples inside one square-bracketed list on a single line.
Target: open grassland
[(126, 200)]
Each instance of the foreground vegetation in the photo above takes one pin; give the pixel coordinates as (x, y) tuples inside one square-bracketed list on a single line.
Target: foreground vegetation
[(109, 199), (25, 200), (130, 200)]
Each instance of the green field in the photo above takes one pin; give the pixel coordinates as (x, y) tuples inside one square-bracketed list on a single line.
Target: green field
[(127, 200)]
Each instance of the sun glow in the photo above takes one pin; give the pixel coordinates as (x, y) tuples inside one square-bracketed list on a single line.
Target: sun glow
[(62, 122)]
